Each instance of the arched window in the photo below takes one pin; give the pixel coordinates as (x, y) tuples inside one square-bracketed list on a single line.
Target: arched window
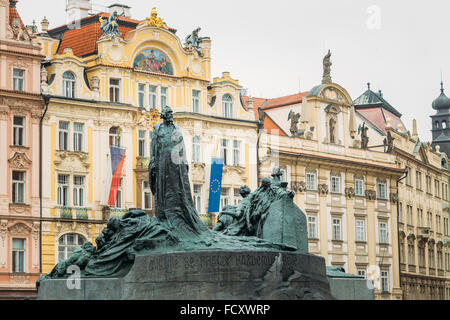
[(114, 136), (437, 125), (444, 124), (196, 150), (227, 106), (67, 245), (68, 84)]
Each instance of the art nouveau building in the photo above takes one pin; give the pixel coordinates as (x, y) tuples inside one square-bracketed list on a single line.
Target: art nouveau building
[(20, 111), (349, 194), (108, 91)]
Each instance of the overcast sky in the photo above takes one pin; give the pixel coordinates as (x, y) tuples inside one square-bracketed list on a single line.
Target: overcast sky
[(276, 47)]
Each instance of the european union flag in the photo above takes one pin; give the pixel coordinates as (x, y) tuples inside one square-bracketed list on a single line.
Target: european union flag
[(215, 185)]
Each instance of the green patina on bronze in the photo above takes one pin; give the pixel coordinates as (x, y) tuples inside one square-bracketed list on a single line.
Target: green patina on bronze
[(266, 219)]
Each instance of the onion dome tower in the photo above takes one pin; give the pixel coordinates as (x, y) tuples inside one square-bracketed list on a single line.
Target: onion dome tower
[(440, 122)]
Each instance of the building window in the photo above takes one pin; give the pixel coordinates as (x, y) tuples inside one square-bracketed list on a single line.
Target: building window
[(18, 187), (446, 233), (311, 181), (78, 137), (384, 281), (152, 97), (419, 217), (362, 273), (312, 227), (419, 180), (198, 198), (411, 254), (421, 252), (224, 197), (63, 135), (337, 229), (19, 131), (431, 263), (400, 212), (163, 97), (237, 197), (69, 84), (409, 215), (119, 195), (335, 184), (114, 136), (383, 233), (359, 187), (360, 230), (78, 191), (438, 224), (408, 176), (436, 188), (196, 101), (141, 95), (18, 255), (141, 143), (381, 190), (18, 79), (224, 151), (236, 153), (114, 90), (428, 183), (430, 220), (227, 106), (196, 150), (67, 245), (63, 190), (146, 196)]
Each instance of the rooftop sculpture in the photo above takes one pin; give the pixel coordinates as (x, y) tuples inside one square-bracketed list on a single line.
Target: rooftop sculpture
[(193, 41), (110, 27)]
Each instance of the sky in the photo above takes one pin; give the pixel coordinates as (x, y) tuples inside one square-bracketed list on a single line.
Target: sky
[(276, 48)]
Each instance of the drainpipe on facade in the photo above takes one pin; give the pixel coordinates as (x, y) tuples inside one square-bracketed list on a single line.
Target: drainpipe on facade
[(398, 234), (46, 102)]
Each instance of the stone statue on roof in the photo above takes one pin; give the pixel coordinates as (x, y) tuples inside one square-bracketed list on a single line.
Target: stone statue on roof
[(110, 27), (193, 41), (327, 68)]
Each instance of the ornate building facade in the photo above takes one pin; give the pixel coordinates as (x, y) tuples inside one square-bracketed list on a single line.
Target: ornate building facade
[(348, 193), (107, 85), (20, 112)]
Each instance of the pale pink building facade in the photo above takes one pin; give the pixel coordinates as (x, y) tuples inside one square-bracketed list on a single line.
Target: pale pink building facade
[(21, 107)]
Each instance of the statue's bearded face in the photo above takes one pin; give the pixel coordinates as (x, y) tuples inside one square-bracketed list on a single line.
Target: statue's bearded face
[(167, 115)]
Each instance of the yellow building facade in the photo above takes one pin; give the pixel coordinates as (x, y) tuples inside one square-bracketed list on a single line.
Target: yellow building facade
[(108, 91)]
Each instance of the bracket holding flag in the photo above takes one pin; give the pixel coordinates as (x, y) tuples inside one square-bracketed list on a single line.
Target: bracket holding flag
[(215, 185)]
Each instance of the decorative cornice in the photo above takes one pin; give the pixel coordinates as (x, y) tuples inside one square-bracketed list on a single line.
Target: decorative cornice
[(19, 160)]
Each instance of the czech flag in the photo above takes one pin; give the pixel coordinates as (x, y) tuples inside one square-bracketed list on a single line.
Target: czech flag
[(117, 160), (215, 186)]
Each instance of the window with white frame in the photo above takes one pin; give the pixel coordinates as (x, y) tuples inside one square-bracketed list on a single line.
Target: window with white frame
[(114, 136), (63, 190), (198, 198), (237, 197), (337, 229), (224, 151), (360, 230), (114, 90), (409, 214), (68, 84), (359, 187), (18, 255), (63, 135), (311, 181), (18, 80), (141, 95), (19, 131), (383, 232), (362, 273), (312, 227), (146, 195), (163, 97), (381, 191), (152, 97), (224, 197), (78, 191), (141, 143), (196, 101), (18, 187), (119, 195), (384, 281), (78, 129), (67, 245), (236, 153), (196, 155), (335, 184), (227, 106)]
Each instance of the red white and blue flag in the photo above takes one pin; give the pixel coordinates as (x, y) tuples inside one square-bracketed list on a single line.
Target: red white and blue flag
[(117, 161)]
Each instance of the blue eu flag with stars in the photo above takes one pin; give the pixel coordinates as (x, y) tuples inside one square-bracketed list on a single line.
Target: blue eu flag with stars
[(215, 185)]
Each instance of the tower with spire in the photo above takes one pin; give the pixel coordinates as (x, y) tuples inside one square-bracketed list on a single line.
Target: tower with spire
[(440, 122)]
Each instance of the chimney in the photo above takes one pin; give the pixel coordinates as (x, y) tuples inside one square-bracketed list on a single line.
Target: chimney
[(120, 8), (77, 9), (250, 103), (44, 25), (414, 129)]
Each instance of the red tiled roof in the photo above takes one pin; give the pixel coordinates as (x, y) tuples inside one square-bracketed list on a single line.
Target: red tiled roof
[(378, 117), (257, 103), (14, 14), (285, 101)]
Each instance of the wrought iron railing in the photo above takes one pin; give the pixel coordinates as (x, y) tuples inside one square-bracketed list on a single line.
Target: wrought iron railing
[(65, 213), (82, 213)]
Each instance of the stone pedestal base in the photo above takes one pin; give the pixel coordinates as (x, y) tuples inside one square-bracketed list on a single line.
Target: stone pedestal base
[(205, 275)]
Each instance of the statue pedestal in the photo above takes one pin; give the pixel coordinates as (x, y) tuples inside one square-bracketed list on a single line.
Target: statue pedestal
[(205, 275)]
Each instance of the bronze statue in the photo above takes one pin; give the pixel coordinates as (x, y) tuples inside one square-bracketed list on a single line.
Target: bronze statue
[(110, 27), (193, 41)]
